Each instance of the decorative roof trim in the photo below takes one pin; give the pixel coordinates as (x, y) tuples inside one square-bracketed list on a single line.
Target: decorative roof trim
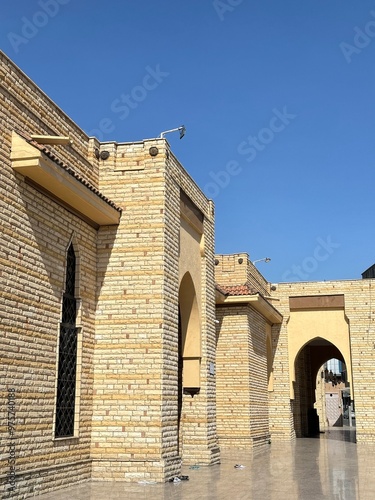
[(231, 296), (238, 290), (44, 169), (66, 167)]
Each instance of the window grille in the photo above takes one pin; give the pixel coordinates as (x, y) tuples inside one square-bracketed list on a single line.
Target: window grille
[(67, 364)]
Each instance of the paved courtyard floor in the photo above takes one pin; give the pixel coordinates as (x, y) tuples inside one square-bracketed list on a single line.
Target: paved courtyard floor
[(330, 467)]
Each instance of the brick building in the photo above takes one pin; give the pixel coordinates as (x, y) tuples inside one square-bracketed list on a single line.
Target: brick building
[(107, 303), (126, 346), (272, 343)]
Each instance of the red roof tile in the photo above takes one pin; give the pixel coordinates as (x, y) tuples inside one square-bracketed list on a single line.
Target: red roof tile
[(236, 290)]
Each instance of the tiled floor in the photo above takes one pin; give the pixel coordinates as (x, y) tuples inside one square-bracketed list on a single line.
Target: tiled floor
[(330, 467)]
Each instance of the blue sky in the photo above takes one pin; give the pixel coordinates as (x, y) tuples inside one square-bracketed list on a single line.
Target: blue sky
[(277, 99)]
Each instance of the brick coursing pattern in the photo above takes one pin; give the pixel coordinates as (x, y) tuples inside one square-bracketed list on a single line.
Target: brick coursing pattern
[(241, 360), (137, 321), (35, 234), (128, 284)]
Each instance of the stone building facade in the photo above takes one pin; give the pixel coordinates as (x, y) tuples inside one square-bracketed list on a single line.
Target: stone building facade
[(107, 303), (322, 320), (273, 340), (245, 316), (127, 347)]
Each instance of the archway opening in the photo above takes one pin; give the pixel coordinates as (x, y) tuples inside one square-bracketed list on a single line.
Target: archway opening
[(189, 347), (308, 367), (269, 362)]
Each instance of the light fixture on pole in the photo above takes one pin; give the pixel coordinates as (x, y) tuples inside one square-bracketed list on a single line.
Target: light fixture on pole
[(265, 259), (181, 129)]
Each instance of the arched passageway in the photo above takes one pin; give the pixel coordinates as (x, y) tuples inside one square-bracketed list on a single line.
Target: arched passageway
[(308, 364)]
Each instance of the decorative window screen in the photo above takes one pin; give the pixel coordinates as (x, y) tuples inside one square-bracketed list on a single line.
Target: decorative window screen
[(67, 364)]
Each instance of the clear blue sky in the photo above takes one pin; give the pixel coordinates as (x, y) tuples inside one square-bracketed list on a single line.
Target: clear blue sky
[(277, 98)]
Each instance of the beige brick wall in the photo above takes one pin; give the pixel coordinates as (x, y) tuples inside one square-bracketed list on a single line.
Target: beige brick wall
[(27, 108), (241, 357), (129, 280), (199, 413), (137, 321), (128, 291), (35, 234), (242, 397), (237, 269), (127, 426)]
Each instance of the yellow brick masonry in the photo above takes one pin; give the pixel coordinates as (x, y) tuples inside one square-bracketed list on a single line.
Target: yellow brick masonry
[(200, 443), (135, 366), (242, 401), (128, 288), (35, 233), (32, 280), (128, 293), (233, 378), (237, 269), (30, 110), (126, 432), (242, 398), (360, 314)]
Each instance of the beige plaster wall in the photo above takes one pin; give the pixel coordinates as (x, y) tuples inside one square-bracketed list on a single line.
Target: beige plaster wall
[(306, 325)]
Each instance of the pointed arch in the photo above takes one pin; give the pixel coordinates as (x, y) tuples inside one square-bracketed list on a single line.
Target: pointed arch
[(190, 343), (69, 349), (307, 326), (321, 351), (307, 364), (269, 359)]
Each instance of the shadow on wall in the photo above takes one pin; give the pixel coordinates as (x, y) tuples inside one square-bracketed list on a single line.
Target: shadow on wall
[(337, 423), (50, 228)]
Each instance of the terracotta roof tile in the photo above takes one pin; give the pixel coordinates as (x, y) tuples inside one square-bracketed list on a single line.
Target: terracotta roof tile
[(220, 289), (68, 169), (236, 290)]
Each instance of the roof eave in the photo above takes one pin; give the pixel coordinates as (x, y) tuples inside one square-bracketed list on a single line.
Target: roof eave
[(258, 302), (33, 164)]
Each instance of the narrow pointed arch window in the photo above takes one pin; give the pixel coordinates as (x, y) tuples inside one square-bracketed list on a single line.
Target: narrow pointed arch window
[(67, 363)]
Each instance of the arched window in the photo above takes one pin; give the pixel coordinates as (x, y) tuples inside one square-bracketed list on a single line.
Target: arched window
[(67, 364)]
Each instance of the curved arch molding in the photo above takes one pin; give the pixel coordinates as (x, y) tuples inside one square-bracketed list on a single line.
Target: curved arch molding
[(317, 317), (190, 333)]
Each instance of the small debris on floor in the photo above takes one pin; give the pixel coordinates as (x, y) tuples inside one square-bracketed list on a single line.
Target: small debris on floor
[(177, 479)]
